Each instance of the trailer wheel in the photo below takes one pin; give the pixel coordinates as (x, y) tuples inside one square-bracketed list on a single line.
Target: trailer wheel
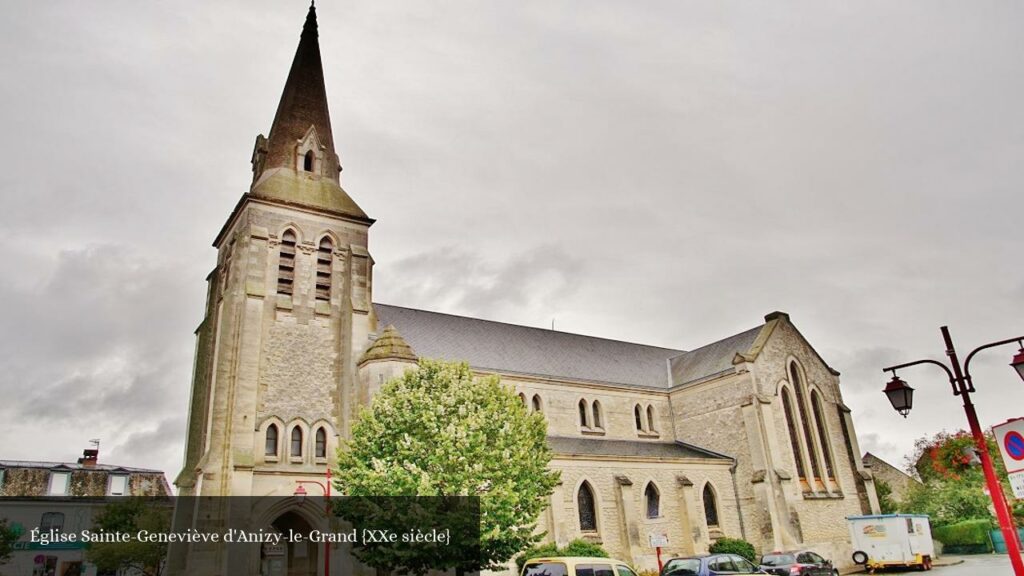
[(927, 563), (860, 557)]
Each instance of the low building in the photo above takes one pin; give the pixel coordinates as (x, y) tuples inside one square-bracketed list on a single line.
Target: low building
[(900, 483), (63, 497)]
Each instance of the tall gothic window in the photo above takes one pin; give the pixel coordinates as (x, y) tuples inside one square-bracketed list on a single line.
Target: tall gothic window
[(801, 406), (324, 259), (536, 403), (794, 438), (710, 506), (321, 443), (650, 419), (296, 442), (653, 499), (270, 448), (596, 409), (639, 418), (819, 417), (587, 510), (583, 413), (286, 263)]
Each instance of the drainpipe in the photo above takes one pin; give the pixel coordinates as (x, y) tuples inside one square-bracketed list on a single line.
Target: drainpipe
[(736, 496)]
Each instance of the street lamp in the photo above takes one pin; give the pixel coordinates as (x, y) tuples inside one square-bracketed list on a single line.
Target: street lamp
[(901, 396), (300, 494)]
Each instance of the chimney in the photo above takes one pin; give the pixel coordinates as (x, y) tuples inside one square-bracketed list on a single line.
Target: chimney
[(89, 457)]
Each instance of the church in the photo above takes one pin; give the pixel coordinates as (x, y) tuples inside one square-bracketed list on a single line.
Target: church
[(747, 437)]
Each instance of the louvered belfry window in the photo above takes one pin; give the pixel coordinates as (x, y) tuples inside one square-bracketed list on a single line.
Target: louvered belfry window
[(323, 270), (286, 264)]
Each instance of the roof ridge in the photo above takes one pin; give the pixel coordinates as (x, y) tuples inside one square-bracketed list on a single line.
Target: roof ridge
[(681, 351), (720, 340)]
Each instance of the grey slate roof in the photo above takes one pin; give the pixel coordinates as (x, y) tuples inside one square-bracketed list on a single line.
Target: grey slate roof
[(619, 448), (509, 348), (712, 359), (74, 466)]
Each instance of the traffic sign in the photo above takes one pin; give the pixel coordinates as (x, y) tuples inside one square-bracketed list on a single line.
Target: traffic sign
[(1010, 438), (1017, 483)]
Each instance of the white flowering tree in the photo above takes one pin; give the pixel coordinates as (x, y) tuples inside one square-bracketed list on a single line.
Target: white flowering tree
[(439, 431)]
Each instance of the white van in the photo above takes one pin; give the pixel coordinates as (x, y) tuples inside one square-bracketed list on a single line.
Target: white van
[(892, 540)]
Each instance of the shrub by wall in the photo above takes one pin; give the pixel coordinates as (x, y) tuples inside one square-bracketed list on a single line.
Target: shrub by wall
[(734, 546), (967, 537)]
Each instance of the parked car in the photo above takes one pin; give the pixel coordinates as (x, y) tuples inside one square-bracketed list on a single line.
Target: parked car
[(797, 563), (576, 566), (709, 565)]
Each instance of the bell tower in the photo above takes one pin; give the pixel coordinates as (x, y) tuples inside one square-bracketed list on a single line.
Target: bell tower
[(288, 308)]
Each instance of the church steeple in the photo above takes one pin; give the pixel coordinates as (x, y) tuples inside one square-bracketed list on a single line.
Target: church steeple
[(298, 162)]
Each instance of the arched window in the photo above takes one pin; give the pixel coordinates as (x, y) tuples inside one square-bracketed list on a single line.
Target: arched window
[(286, 263), (271, 441), (794, 442), (639, 418), (536, 403), (653, 499), (710, 506), (51, 522), (296, 442), (307, 161), (522, 398), (583, 413), (324, 258), (588, 512), (650, 419), (596, 409), (321, 443), (227, 265), (822, 435), (801, 407)]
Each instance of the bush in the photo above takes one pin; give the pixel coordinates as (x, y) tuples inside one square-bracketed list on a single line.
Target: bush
[(968, 537), (575, 548), (734, 546)]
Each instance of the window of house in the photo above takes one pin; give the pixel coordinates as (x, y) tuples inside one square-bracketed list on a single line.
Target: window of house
[(324, 259), (296, 442), (286, 264), (321, 443), (596, 409), (650, 419), (118, 485), (51, 522), (307, 161), (583, 413), (794, 441), (819, 417), (653, 499), (801, 407), (639, 418), (270, 448), (587, 510), (710, 506), (59, 483)]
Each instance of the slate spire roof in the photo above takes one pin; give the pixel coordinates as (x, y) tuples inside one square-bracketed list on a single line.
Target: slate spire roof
[(388, 346)]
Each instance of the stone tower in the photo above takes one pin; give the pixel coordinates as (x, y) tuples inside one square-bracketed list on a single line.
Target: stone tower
[(288, 308)]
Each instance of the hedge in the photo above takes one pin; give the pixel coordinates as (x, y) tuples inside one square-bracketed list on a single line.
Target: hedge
[(967, 537), (734, 546)]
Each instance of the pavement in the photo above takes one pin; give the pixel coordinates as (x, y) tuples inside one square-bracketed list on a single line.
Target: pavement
[(974, 565)]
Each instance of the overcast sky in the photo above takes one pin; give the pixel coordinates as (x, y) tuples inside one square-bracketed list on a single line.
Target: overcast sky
[(660, 172)]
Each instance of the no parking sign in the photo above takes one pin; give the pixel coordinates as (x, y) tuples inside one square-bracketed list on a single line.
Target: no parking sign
[(1010, 438)]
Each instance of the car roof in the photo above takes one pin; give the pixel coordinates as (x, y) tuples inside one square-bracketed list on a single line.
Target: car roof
[(574, 559)]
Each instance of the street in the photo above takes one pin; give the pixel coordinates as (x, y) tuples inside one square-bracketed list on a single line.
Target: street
[(981, 565)]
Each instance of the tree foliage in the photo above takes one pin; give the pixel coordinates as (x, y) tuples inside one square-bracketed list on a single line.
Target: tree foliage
[(439, 431), (129, 516), (734, 546), (8, 536), (886, 502), (576, 548)]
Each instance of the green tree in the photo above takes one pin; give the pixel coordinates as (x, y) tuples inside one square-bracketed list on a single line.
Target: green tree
[(885, 499), (8, 536), (439, 431), (734, 546), (129, 516)]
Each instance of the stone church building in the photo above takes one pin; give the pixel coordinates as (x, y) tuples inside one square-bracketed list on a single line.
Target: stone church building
[(746, 437)]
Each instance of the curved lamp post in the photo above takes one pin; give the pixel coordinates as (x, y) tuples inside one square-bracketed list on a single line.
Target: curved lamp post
[(901, 396), (300, 493)]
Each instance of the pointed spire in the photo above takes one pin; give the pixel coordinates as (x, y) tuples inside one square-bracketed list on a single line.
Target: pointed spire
[(302, 122)]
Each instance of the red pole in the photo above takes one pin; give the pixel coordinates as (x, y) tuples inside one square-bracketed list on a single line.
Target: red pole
[(658, 549), (327, 511), (994, 487)]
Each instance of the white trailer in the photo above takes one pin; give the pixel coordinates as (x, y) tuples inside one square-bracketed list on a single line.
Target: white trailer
[(892, 540)]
